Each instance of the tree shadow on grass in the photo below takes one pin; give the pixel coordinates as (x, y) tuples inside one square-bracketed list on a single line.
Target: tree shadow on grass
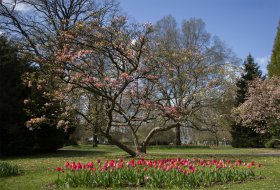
[(60, 154), (77, 153)]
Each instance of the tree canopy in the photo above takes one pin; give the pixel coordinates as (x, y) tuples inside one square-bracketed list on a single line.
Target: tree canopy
[(274, 65), (261, 109)]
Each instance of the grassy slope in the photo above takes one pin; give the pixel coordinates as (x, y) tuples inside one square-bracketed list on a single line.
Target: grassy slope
[(38, 170)]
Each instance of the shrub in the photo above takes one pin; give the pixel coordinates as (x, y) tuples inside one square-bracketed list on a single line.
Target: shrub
[(48, 139), (7, 170), (272, 143)]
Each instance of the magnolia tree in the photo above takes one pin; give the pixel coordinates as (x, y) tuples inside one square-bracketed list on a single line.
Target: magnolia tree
[(261, 110), (114, 63)]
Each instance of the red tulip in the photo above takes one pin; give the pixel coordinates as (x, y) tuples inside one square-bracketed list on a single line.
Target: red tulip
[(214, 162), (66, 164), (79, 165), (106, 168), (90, 164), (239, 162), (58, 169), (121, 165), (73, 164), (112, 163), (191, 169)]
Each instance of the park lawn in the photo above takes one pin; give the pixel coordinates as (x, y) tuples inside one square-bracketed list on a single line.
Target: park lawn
[(38, 170)]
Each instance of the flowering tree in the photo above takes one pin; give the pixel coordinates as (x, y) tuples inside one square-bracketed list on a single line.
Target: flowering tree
[(261, 110), (113, 63)]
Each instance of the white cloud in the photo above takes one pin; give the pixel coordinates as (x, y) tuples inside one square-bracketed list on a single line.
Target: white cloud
[(263, 62)]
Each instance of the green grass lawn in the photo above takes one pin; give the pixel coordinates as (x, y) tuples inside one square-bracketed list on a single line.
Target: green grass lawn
[(38, 169)]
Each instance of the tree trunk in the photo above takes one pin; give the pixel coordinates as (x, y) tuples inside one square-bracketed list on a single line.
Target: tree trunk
[(178, 136), (94, 141), (94, 135), (113, 141), (141, 150), (217, 140)]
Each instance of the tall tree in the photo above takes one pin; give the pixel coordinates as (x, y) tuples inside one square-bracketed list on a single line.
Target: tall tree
[(193, 67), (243, 136), (274, 65), (14, 135), (168, 34)]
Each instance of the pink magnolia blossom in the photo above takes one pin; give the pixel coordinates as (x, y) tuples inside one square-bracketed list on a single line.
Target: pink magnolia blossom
[(126, 76), (261, 105)]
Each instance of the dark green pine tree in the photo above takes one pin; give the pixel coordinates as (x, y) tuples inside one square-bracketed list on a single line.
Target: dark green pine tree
[(244, 136), (274, 65), (15, 137)]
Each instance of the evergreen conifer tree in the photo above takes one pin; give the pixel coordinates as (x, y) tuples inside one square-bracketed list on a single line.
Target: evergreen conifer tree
[(15, 137), (274, 65)]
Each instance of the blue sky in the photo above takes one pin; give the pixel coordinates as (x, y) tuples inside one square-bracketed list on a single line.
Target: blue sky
[(246, 26)]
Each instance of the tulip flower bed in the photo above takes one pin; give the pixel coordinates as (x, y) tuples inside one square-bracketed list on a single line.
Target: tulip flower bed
[(167, 173)]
